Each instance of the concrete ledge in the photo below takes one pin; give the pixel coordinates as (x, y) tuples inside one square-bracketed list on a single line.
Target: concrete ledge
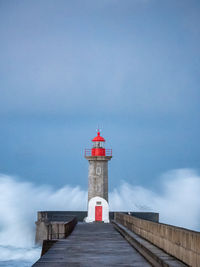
[(153, 254), (98, 158), (181, 243), (68, 228), (44, 216), (48, 229), (47, 244)]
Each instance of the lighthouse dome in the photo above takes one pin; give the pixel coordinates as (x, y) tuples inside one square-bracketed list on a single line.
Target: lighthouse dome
[(98, 138)]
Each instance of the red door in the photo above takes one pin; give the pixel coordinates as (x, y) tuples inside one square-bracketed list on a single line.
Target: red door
[(98, 213)]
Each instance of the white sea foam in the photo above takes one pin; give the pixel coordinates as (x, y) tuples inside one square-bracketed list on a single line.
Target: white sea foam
[(177, 201), (20, 202)]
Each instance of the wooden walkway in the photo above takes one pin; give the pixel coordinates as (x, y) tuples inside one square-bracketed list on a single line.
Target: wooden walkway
[(92, 245)]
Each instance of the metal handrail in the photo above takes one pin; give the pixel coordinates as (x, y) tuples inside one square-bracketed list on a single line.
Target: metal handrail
[(88, 152)]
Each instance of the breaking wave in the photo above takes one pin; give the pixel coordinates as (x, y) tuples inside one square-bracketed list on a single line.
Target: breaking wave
[(177, 201)]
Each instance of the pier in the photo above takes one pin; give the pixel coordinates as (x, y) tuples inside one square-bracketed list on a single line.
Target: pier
[(95, 244), (136, 239)]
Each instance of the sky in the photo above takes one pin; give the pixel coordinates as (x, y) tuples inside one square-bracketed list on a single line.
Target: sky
[(131, 67)]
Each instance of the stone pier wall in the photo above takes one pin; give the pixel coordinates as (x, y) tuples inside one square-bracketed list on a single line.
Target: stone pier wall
[(50, 230), (51, 224), (179, 242)]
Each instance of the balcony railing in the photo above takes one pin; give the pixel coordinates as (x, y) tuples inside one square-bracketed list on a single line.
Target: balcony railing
[(88, 152)]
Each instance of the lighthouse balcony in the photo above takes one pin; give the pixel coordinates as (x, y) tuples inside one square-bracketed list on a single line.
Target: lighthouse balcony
[(98, 152)]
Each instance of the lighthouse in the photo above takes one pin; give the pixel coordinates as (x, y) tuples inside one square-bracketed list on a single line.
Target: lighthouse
[(98, 157)]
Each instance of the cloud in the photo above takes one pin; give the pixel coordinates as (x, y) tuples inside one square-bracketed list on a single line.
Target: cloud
[(58, 65)]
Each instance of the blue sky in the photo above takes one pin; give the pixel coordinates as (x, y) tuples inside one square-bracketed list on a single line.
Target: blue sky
[(130, 66)]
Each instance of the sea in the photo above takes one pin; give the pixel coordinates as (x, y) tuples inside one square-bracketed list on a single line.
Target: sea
[(19, 257), (20, 201)]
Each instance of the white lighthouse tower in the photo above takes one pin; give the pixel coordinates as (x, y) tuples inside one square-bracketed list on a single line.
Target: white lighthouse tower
[(98, 157)]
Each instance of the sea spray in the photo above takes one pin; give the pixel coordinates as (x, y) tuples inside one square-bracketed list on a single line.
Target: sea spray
[(177, 200), (20, 202)]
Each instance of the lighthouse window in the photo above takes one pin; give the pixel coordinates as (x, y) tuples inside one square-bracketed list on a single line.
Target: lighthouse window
[(98, 188), (98, 202), (101, 144), (98, 170), (98, 144)]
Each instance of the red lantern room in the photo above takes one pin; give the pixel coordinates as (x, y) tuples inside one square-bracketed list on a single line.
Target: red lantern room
[(98, 147)]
